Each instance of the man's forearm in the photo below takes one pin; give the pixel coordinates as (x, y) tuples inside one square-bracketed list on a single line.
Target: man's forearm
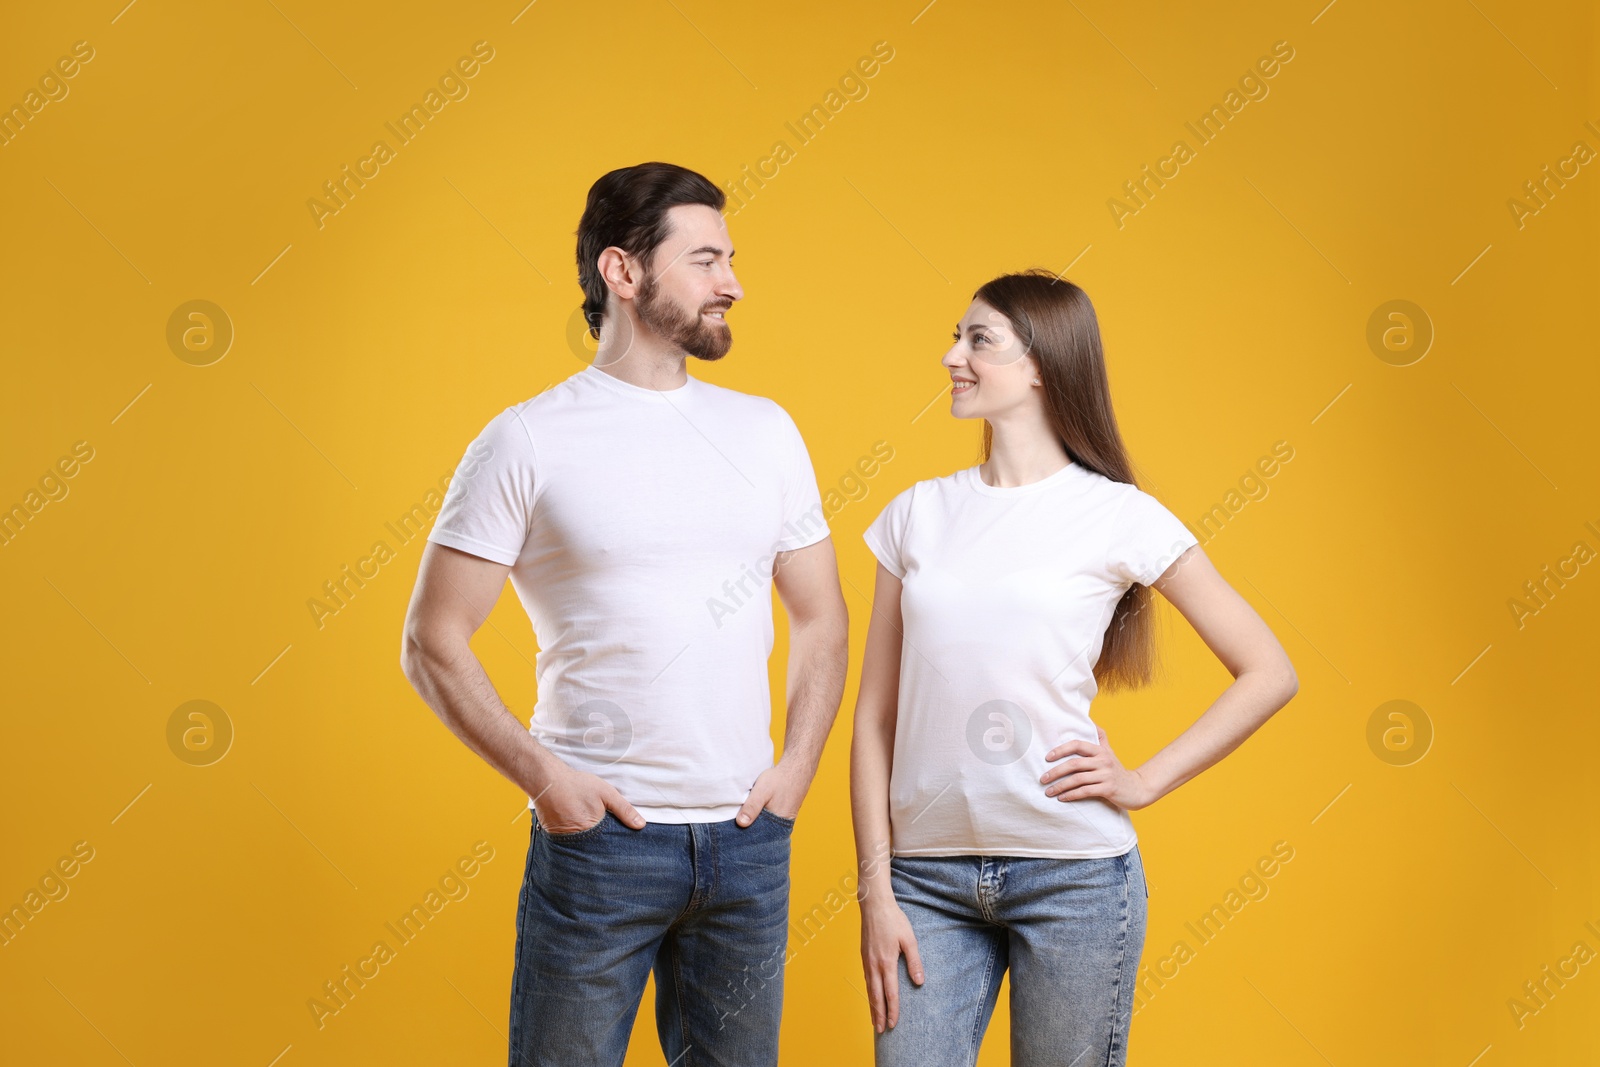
[(454, 684), (818, 654)]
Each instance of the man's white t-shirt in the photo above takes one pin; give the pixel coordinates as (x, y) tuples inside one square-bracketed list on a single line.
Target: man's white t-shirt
[(641, 527), (1006, 596)]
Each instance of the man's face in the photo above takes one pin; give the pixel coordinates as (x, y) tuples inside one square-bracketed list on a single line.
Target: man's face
[(690, 284)]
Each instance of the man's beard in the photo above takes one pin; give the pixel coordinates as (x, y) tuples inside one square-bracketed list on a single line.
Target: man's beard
[(689, 332)]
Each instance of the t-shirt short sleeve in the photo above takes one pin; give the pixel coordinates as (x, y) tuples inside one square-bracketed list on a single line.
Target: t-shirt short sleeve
[(804, 522), (1148, 539), (886, 535), (488, 510)]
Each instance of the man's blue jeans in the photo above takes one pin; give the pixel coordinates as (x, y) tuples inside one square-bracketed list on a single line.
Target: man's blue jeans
[(705, 905), (1071, 932)]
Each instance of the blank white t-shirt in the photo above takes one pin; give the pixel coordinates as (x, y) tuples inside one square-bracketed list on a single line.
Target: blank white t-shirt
[(641, 527), (1006, 596)]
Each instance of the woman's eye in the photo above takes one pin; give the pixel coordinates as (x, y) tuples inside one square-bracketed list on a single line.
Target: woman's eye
[(979, 338)]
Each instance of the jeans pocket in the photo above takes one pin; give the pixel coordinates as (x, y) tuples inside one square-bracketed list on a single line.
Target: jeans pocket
[(768, 813), (578, 835)]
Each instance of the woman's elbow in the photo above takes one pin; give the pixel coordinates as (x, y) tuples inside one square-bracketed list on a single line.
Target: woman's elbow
[(1288, 682)]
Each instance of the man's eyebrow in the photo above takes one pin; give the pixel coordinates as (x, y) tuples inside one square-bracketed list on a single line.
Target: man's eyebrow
[(712, 249)]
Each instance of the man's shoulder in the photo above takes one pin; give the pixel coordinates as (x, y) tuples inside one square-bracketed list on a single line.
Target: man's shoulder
[(559, 399), (751, 416), (752, 403)]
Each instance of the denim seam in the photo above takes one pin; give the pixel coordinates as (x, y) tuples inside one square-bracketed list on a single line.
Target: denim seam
[(697, 892), (704, 894), (687, 1055), (981, 891), (715, 892), (974, 1037), (516, 963), (1122, 956)]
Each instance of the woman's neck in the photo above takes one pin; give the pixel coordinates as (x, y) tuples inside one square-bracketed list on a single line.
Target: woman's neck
[(1019, 455)]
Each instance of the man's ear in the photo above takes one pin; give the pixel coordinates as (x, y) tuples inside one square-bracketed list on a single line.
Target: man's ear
[(621, 272)]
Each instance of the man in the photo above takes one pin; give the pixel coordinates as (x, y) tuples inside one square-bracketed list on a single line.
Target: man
[(643, 516)]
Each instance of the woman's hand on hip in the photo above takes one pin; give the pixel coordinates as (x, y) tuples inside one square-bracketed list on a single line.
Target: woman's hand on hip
[(1093, 770)]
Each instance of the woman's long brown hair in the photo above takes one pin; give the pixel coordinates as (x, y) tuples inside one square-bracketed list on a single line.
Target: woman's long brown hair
[(1055, 323)]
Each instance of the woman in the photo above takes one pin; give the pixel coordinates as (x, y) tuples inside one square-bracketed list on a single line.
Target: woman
[(1007, 595)]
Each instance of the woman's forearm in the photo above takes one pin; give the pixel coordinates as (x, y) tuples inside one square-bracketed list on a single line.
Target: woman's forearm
[(871, 753), (1238, 712), (872, 743)]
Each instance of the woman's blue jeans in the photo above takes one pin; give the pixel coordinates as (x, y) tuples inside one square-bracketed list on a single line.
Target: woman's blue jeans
[(1070, 931), (704, 905)]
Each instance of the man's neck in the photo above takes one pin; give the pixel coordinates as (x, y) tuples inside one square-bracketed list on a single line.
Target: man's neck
[(647, 362)]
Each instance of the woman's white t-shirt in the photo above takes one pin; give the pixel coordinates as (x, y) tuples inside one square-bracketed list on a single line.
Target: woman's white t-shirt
[(1006, 596)]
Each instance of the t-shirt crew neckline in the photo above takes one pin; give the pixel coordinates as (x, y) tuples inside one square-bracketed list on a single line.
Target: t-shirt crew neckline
[(975, 482), (612, 382)]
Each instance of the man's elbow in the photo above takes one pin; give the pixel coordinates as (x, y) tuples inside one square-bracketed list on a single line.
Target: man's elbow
[(834, 623), (828, 621), (410, 656), (420, 652)]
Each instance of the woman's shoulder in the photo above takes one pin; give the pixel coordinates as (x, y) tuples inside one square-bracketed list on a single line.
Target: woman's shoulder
[(928, 488)]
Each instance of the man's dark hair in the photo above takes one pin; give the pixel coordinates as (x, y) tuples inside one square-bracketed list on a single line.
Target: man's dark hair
[(628, 208)]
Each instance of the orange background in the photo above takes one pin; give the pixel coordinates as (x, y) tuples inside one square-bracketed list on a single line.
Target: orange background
[(1422, 893)]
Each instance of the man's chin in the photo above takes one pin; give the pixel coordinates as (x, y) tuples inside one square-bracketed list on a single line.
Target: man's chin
[(709, 347)]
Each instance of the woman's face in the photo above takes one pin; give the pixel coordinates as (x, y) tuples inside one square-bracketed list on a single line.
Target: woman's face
[(990, 370)]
